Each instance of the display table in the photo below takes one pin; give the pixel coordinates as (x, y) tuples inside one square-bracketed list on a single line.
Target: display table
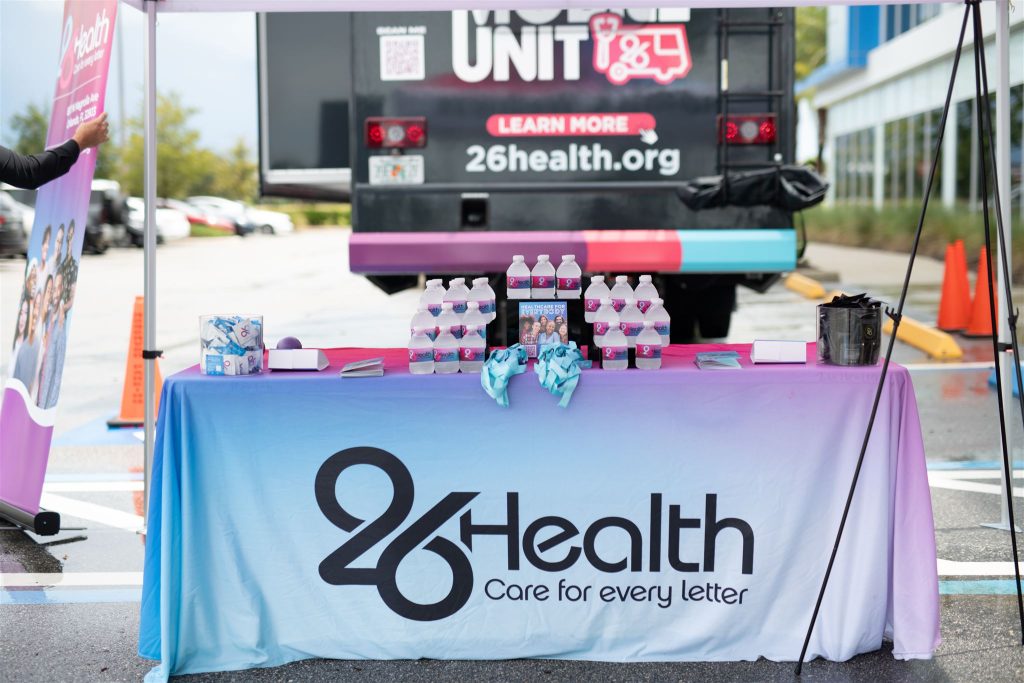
[(670, 515)]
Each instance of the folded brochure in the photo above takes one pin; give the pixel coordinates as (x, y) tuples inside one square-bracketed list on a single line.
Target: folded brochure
[(718, 360), (371, 367)]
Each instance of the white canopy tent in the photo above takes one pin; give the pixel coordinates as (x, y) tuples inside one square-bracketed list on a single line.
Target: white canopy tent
[(152, 7)]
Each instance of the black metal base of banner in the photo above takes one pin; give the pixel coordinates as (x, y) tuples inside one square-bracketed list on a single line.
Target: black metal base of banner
[(987, 164), (117, 423), (44, 522)]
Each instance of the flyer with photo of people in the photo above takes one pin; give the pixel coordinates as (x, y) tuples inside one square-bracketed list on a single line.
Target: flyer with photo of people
[(541, 324)]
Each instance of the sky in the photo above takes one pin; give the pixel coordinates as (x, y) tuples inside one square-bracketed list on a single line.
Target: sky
[(208, 60)]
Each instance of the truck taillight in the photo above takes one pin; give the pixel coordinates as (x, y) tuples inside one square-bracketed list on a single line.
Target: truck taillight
[(388, 133), (752, 129)]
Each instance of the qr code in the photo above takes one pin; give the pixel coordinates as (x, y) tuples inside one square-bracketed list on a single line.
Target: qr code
[(401, 58)]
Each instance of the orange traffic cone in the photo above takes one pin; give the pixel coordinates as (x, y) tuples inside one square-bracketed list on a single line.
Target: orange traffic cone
[(955, 304), (981, 319), (133, 396)]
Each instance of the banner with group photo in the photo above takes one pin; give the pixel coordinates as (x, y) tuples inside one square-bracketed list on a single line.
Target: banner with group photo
[(55, 249)]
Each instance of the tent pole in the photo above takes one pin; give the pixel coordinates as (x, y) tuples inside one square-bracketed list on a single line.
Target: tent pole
[(149, 244)]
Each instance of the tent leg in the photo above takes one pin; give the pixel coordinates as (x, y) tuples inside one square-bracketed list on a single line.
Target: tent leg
[(149, 245)]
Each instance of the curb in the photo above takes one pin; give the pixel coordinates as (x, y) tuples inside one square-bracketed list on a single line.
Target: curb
[(805, 286)]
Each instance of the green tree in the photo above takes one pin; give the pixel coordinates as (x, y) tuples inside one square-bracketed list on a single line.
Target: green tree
[(30, 129), (811, 28), (184, 166)]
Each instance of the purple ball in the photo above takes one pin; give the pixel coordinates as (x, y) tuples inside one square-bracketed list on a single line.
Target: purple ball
[(289, 343)]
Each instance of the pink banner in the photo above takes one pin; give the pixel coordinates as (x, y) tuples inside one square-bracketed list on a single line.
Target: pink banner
[(54, 252)]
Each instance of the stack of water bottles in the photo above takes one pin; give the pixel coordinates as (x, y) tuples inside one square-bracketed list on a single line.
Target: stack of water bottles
[(627, 321), (449, 330), (543, 281)]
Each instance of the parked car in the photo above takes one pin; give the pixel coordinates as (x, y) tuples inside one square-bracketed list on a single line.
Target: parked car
[(171, 224), (13, 233), (271, 222), (226, 208), (197, 216), (106, 219)]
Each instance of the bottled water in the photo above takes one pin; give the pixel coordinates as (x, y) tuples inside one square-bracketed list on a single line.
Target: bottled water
[(568, 278), (517, 279), (485, 297), (446, 353), (542, 284), (421, 351), (604, 319), (592, 297), (631, 322), (662, 322), (433, 296), (645, 293), (458, 294), (648, 348), (614, 353), (620, 292), (448, 321), (475, 318), (424, 319), (472, 349)]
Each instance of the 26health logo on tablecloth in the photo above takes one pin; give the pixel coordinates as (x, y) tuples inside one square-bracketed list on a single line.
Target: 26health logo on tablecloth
[(548, 543), (54, 251)]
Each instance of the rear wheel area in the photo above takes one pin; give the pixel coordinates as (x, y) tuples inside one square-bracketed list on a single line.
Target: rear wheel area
[(699, 310)]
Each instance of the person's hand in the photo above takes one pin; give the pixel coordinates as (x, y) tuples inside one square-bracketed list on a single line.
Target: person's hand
[(92, 133)]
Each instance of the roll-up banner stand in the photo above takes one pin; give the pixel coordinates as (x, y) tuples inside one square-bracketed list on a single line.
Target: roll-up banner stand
[(31, 390)]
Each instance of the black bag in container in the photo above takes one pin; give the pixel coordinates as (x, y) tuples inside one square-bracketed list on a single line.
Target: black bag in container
[(849, 330)]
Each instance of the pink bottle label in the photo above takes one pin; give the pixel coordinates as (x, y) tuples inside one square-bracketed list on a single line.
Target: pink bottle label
[(592, 305), (487, 307), (568, 283), (662, 327), (542, 281), (457, 331), (472, 354), (643, 305), (601, 328), (516, 282), (421, 355), (435, 309), (459, 307), (431, 333), (446, 355), (614, 353), (618, 305), (631, 329), (648, 351)]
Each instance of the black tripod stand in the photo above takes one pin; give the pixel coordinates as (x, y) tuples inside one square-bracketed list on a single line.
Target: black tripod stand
[(986, 139)]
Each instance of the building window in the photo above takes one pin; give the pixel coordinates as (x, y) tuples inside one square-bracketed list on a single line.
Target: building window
[(854, 166), (897, 19)]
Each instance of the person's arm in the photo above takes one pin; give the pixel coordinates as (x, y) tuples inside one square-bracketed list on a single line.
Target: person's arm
[(31, 171)]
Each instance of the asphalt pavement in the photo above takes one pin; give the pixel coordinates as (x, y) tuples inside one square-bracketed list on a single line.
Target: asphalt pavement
[(79, 621)]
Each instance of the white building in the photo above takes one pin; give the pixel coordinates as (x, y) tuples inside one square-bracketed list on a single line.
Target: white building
[(879, 98)]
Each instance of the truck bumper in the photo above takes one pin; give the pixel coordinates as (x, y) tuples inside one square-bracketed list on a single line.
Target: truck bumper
[(741, 250)]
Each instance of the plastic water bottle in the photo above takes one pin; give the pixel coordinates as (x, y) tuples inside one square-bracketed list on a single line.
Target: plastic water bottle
[(604, 319), (424, 319), (421, 351), (542, 279), (472, 349), (449, 321), (592, 297), (458, 294), (620, 292), (645, 293), (568, 277), (446, 353), (433, 297), (485, 297), (662, 322), (517, 279), (475, 318), (615, 352), (648, 348), (631, 322)]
